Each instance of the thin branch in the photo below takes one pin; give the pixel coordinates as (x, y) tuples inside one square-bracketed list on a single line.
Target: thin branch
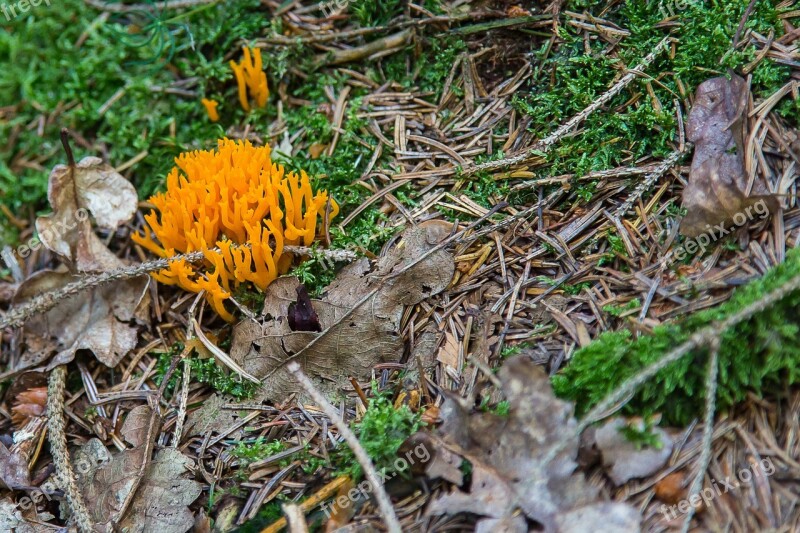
[(385, 505), (42, 303)]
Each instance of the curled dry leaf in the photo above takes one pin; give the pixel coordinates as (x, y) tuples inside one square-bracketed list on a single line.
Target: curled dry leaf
[(355, 335), (623, 460), (89, 187), (164, 491), (718, 182), (97, 319), (507, 456)]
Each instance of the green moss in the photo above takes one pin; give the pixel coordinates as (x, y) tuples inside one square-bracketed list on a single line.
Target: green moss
[(381, 431), (761, 355), (203, 371), (255, 450), (577, 71)]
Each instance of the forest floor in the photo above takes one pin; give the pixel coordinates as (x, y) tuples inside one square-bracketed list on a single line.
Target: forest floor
[(560, 291)]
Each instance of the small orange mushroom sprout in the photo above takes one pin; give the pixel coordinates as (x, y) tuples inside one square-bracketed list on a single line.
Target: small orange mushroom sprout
[(211, 109), (250, 78), (240, 209)]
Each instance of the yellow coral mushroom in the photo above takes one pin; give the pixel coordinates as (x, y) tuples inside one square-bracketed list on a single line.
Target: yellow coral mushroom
[(211, 109), (240, 209), (250, 78)]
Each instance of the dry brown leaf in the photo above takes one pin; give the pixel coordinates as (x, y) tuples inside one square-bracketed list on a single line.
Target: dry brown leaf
[(163, 494), (717, 187), (14, 473), (621, 458), (506, 453), (98, 319), (89, 187), (350, 344), (15, 518)]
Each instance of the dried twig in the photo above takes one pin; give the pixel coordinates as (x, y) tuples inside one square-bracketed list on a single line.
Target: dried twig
[(705, 337), (708, 429), (41, 303), (56, 434), (385, 505), (114, 7)]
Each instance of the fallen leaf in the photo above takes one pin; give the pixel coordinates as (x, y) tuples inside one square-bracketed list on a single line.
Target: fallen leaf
[(14, 472), (163, 494), (603, 517), (507, 456), (19, 520), (316, 149), (442, 463), (91, 186), (97, 319), (448, 353), (717, 187), (356, 335), (621, 458)]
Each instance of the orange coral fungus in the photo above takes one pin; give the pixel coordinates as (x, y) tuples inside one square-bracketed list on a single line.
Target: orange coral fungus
[(240, 209), (211, 109), (250, 77)]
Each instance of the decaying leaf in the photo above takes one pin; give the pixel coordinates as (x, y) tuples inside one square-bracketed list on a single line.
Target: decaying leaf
[(14, 472), (507, 456), (355, 335), (15, 518), (623, 460), (89, 187), (717, 189), (97, 319), (163, 494)]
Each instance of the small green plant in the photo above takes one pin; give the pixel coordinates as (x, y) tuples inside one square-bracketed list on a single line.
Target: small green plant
[(381, 431), (641, 434), (619, 310), (250, 452), (203, 371)]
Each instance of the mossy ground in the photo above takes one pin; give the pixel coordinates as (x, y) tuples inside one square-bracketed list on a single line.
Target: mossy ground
[(115, 86)]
